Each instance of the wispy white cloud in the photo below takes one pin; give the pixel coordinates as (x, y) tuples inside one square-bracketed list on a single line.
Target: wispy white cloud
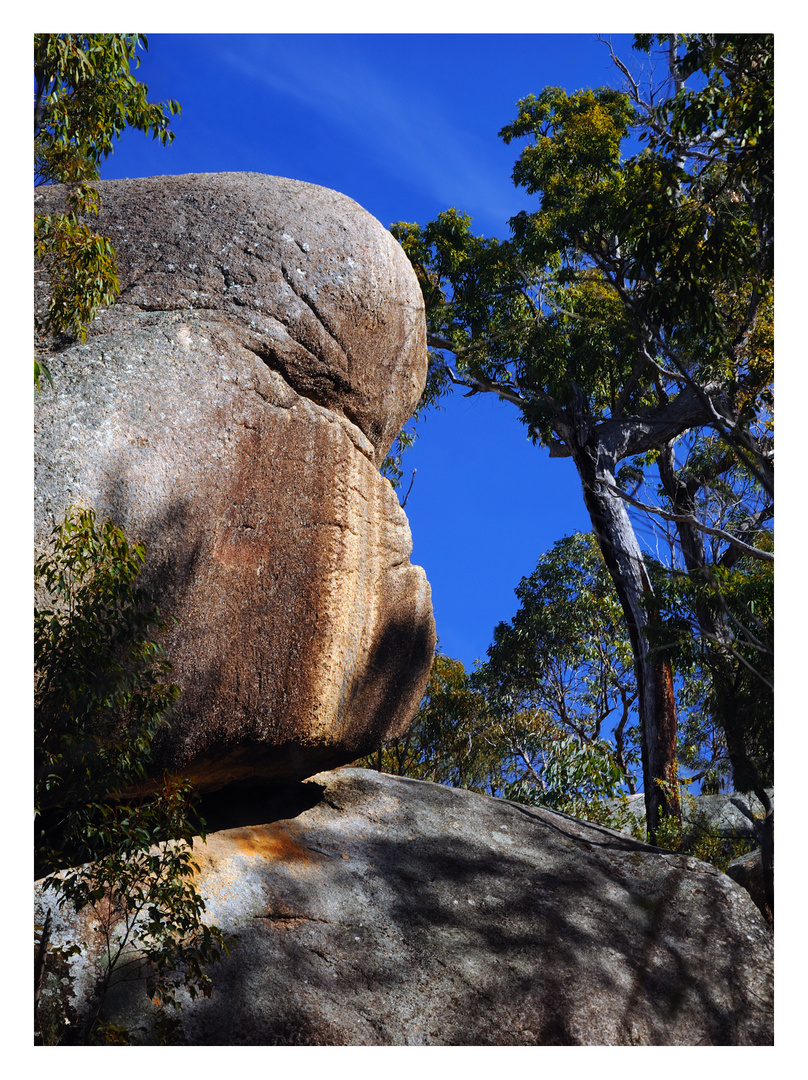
[(408, 129)]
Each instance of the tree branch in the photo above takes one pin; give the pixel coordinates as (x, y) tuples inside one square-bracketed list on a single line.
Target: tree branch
[(409, 489), (747, 549), (729, 648), (749, 524), (479, 384)]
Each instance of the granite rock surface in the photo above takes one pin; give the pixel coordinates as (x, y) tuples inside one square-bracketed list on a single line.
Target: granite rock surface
[(387, 911), (231, 411)]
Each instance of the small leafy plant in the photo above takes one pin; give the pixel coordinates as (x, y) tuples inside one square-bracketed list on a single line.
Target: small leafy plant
[(697, 837), (101, 696), (694, 835)]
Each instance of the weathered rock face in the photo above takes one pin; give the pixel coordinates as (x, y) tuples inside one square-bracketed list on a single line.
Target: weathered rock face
[(733, 816), (397, 912), (232, 411), (300, 274)]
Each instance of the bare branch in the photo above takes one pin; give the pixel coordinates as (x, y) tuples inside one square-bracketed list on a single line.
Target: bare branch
[(632, 82), (479, 384), (687, 519), (409, 489), (728, 648), (724, 425)]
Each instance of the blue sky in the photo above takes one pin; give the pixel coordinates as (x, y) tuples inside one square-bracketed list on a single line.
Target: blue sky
[(405, 124)]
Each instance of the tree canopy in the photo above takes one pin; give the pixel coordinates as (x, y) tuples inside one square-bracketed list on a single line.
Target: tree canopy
[(465, 734), (566, 652), (625, 313)]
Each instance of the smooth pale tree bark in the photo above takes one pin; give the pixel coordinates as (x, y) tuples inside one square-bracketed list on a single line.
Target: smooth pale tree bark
[(596, 450), (621, 551)]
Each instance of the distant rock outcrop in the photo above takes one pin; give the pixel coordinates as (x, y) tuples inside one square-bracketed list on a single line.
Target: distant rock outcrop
[(397, 912), (232, 411), (731, 816)]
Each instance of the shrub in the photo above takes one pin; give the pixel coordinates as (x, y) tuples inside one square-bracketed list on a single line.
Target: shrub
[(101, 695)]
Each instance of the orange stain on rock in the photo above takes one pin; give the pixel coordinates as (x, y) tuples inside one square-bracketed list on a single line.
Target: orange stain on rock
[(269, 842)]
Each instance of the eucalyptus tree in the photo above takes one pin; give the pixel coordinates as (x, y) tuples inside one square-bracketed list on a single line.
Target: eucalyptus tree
[(618, 317), (125, 860), (566, 653), (467, 734)]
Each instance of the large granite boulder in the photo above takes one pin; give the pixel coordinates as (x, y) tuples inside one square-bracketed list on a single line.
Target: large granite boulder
[(396, 912), (232, 411)]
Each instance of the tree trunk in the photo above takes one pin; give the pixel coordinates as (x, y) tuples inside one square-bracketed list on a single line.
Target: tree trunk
[(714, 628), (767, 848), (656, 703), (39, 974)]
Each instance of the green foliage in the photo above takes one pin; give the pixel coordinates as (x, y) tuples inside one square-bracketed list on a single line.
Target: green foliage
[(630, 308), (82, 272), (634, 273), (731, 114), (566, 654), (100, 698), (451, 740), (550, 718), (99, 676), (145, 907), (463, 736), (696, 837), (85, 97), (568, 773), (566, 651), (733, 676)]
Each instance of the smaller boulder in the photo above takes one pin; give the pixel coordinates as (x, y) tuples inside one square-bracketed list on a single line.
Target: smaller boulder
[(747, 870)]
